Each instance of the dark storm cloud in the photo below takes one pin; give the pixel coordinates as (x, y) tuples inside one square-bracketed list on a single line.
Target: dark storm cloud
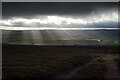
[(11, 9)]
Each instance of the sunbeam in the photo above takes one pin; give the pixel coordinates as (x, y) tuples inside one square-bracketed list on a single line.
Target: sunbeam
[(37, 38)]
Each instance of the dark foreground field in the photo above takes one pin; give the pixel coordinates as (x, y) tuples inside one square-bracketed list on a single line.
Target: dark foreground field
[(35, 62)]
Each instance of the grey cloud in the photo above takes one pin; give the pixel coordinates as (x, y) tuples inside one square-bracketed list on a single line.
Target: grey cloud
[(25, 9)]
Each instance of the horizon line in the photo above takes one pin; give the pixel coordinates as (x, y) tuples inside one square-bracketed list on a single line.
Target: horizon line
[(53, 28)]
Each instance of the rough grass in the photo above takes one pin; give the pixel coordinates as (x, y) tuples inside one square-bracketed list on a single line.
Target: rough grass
[(39, 62), (118, 63), (43, 67), (20, 62), (92, 71)]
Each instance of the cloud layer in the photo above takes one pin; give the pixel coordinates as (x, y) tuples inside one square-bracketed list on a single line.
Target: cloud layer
[(101, 20)]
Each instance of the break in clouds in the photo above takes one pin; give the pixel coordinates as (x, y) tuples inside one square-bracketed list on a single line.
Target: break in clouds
[(95, 20)]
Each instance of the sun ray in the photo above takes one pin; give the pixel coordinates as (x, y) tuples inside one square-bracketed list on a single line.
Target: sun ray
[(37, 38)]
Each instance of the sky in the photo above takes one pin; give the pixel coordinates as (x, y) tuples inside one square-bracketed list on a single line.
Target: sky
[(94, 20), (59, 15)]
